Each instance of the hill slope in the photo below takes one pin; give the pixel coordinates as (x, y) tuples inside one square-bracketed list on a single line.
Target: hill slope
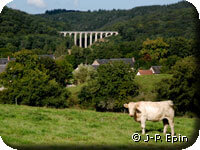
[(150, 21), (17, 22), (20, 30), (166, 22), (23, 126)]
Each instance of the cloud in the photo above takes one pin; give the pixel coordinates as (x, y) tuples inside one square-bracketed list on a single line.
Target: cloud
[(3, 3), (76, 3), (37, 3)]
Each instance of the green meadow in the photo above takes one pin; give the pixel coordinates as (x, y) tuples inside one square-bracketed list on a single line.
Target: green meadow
[(147, 83), (24, 126), (147, 86)]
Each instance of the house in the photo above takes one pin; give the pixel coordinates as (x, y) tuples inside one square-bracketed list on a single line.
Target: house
[(3, 63), (144, 72), (99, 62), (2, 68), (155, 69)]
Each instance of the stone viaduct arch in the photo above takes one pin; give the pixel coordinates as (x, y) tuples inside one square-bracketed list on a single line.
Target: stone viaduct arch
[(97, 35)]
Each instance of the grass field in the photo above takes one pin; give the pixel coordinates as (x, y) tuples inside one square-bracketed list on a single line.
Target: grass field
[(147, 82), (24, 127), (147, 85), (32, 126)]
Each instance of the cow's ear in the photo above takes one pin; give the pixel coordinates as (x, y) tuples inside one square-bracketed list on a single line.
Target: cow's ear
[(126, 105)]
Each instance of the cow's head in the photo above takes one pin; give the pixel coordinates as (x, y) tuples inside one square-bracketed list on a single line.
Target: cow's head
[(131, 108)]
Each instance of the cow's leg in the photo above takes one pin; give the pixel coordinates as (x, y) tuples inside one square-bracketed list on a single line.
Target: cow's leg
[(165, 124), (143, 120), (171, 123)]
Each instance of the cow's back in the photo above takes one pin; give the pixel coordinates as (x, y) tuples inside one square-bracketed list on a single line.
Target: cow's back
[(155, 111)]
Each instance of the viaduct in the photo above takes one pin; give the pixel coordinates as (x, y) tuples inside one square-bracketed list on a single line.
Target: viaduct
[(98, 35)]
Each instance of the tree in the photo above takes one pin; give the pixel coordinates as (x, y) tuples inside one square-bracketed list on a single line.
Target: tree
[(77, 53), (112, 87), (71, 59), (168, 63), (180, 46), (4, 52), (60, 50), (56, 71), (111, 48), (84, 73), (183, 87), (156, 49), (65, 69), (26, 82)]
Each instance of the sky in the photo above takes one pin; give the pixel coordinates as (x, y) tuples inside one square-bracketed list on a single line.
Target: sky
[(40, 6)]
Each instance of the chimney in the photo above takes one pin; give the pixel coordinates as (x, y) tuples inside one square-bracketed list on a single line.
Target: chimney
[(8, 58), (133, 59)]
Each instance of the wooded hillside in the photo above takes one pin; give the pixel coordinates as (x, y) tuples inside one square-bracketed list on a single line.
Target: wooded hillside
[(19, 30), (142, 22)]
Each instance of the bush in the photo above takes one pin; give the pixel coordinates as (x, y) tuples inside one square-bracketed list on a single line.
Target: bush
[(111, 89)]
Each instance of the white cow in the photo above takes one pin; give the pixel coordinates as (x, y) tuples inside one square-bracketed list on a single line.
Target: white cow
[(152, 111)]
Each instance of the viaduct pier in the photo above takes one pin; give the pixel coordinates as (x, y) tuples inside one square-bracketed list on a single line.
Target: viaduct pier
[(88, 40)]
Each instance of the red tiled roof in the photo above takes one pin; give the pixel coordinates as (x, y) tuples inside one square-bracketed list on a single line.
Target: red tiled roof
[(145, 72)]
